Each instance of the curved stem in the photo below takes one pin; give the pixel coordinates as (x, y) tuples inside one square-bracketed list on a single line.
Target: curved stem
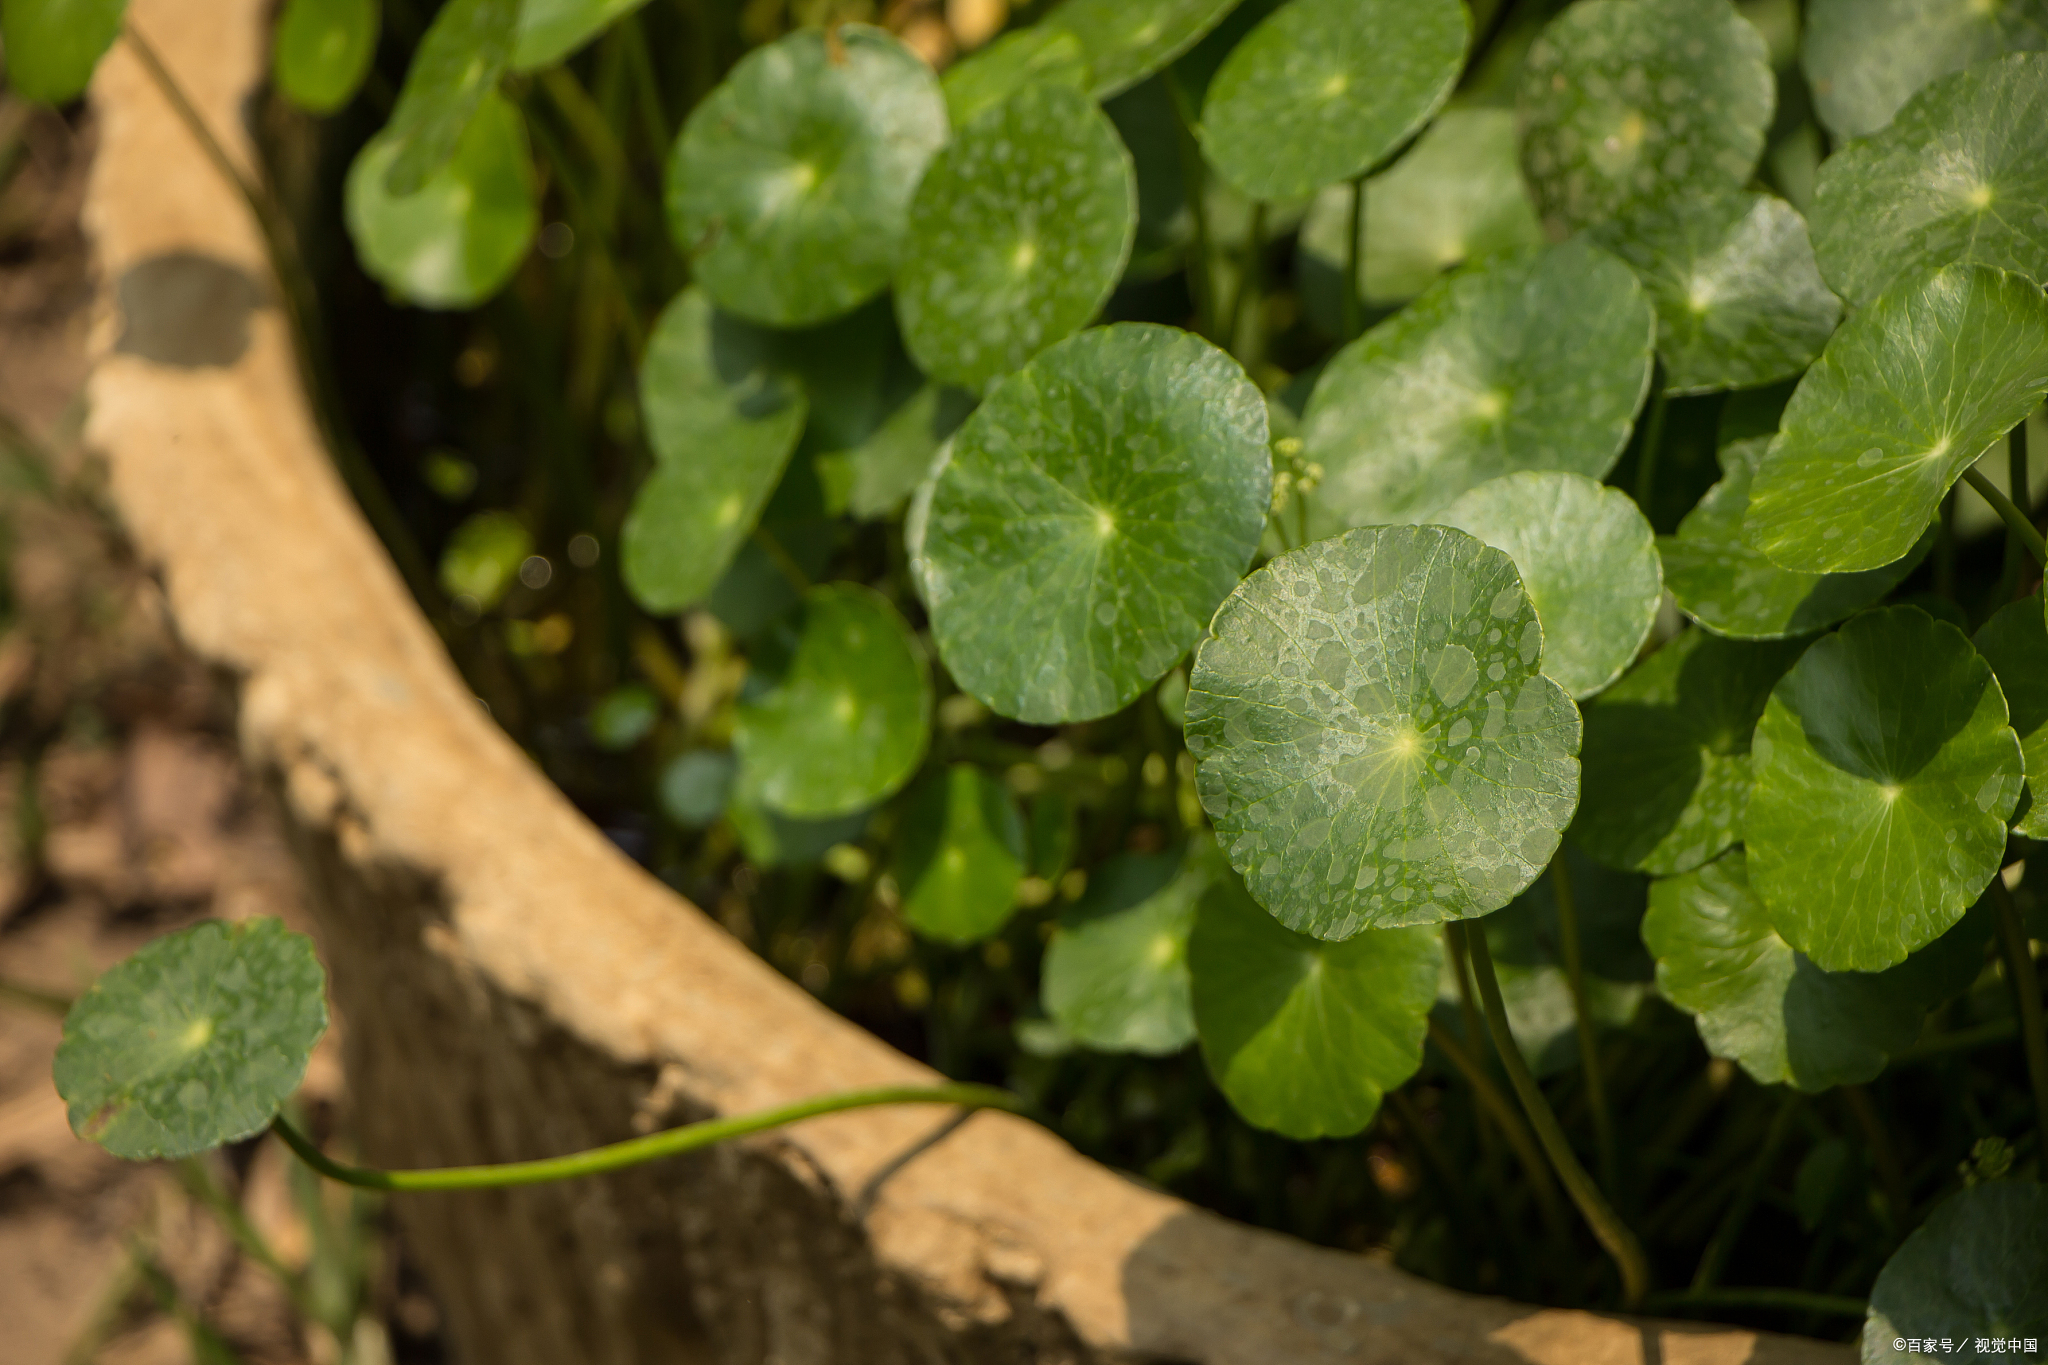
[(1613, 1234), (2026, 987), (634, 1151), (1653, 439), (2015, 520), (1354, 260), (1582, 1016), (1496, 1107)]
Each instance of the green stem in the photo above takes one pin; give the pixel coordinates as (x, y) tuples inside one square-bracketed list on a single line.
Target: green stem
[(653, 109), (634, 1151), (1715, 1257), (1582, 1015), (784, 561), (2014, 571), (1247, 309), (2026, 986), (1653, 439), (1354, 259), (2016, 522), (1607, 1226), (1201, 270), (1962, 1040), (1792, 1300), (1891, 1176), (1496, 1107)]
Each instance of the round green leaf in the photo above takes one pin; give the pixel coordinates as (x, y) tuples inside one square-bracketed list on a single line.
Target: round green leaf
[(1304, 1036), (1906, 397), (1021, 57), (1323, 90), (722, 421), (1116, 972), (483, 556), (1017, 235), (455, 242), (1885, 772), (2015, 643), (1667, 761), (1627, 102), (624, 716), (1739, 299), (454, 70), (1455, 195), (1732, 589), (874, 479), (1764, 1005), (1977, 1268), (962, 855), (1588, 562), (845, 722), (695, 787), (193, 1042), (1092, 514), (1864, 58), (322, 51), (1960, 177), (790, 186), (1124, 41), (550, 30), (1536, 360), (1375, 741), (53, 45)]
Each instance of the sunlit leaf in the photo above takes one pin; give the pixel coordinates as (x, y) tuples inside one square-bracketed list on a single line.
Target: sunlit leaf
[(1094, 511), (1667, 761), (1304, 1036), (455, 68), (1907, 396), (1885, 772), (1588, 562), (193, 1042), (457, 240), (1125, 41), (2015, 643), (550, 30), (53, 45), (790, 185), (844, 721), (1017, 235), (961, 857), (1627, 102), (1536, 360), (1739, 299), (1026, 56), (482, 558), (1728, 586), (323, 50), (1376, 743), (1865, 58), (1116, 972), (1959, 177), (722, 419), (1323, 90), (1977, 1268), (1761, 1003), (1455, 195)]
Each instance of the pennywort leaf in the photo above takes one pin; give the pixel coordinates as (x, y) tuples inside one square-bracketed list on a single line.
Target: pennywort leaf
[(54, 45), (1022, 57), (1124, 41), (550, 30), (2015, 643), (1977, 1268), (322, 51), (1865, 58), (456, 67), (1116, 972), (961, 857)]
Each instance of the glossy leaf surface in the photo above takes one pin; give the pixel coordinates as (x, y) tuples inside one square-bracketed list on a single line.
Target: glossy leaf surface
[(790, 186), (1094, 511), (1885, 773), (550, 30), (455, 68), (1116, 974), (1124, 41), (1018, 233), (193, 1042), (53, 45), (2015, 643), (1025, 56), (1865, 58), (1376, 743), (1906, 397), (322, 51), (962, 855), (1537, 360), (1977, 1268), (1302, 1035)]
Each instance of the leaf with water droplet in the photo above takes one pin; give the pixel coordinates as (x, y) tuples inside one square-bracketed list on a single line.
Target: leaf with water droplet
[(1017, 235), (1624, 103), (1906, 397), (2015, 643), (1977, 1268), (1305, 1036), (1884, 774), (1124, 41), (1763, 1004), (453, 71), (790, 186), (961, 857), (1588, 561), (1535, 360), (843, 722), (193, 1042), (53, 45), (1667, 761), (550, 30), (1865, 58), (322, 51), (1091, 515), (1375, 741), (1022, 57), (457, 240), (1116, 972), (722, 418), (1323, 90)]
